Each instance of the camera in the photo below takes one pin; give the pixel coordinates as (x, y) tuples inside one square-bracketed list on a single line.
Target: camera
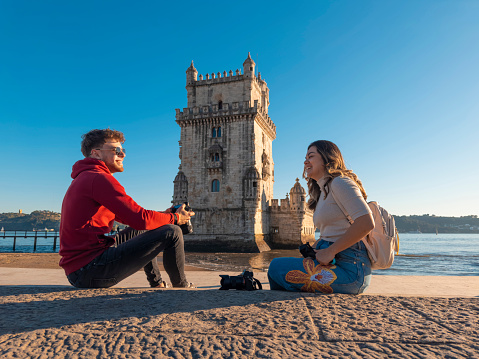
[(307, 251), (244, 281), (187, 227)]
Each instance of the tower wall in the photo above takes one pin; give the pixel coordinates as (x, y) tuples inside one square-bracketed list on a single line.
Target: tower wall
[(227, 169)]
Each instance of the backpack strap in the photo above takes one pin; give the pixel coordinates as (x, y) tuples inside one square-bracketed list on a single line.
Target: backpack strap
[(348, 217), (351, 221)]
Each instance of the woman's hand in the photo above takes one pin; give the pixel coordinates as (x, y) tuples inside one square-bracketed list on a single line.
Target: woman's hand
[(324, 256), (358, 230)]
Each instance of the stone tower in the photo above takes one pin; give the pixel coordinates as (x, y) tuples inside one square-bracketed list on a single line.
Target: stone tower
[(227, 169)]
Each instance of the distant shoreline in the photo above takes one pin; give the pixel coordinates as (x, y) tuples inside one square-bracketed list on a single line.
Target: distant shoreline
[(52, 231), (424, 223)]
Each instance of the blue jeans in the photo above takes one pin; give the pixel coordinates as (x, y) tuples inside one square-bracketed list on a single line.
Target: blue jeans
[(351, 274), (137, 251)]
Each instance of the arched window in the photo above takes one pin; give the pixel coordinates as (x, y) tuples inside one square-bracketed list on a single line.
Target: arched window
[(219, 131), (220, 105), (213, 133), (217, 157), (215, 186)]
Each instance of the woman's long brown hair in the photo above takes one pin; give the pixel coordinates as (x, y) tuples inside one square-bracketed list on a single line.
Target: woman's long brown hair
[(335, 167)]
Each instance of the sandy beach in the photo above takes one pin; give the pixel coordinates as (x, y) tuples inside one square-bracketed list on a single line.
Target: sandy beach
[(43, 260), (45, 317)]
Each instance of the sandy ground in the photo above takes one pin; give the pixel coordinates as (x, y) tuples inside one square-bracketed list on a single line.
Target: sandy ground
[(30, 260), (42, 260), (47, 318), (62, 322)]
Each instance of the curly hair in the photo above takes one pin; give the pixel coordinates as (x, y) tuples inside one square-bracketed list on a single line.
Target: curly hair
[(97, 138), (334, 166)]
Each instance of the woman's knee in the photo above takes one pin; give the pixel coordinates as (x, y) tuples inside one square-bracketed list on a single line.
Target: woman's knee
[(275, 267)]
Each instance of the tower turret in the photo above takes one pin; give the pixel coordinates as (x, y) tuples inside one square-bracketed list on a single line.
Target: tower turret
[(248, 66), (298, 197), (180, 189), (191, 74)]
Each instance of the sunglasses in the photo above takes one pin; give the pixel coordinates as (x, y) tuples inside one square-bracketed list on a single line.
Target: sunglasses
[(118, 150)]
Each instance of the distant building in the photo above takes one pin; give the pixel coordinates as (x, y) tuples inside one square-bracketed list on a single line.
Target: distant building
[(19, 211), (227, 170)]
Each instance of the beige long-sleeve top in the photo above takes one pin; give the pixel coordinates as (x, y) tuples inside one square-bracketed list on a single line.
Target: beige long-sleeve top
[(329, 217)]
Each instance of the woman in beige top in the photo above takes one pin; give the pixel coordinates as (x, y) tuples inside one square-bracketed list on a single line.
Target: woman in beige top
[(341, 263)]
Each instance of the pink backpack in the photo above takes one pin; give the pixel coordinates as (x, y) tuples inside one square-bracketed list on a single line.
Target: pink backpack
[(383, 241)]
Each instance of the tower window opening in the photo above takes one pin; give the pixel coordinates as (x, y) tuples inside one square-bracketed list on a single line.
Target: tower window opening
[(219, 131), (220, 105), (254, 184), (215, 186), (213, 133), (217, 157)]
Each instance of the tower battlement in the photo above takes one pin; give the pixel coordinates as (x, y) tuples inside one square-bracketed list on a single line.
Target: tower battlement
[(229, 112), (280, 205), (243, 107), (219, 77)]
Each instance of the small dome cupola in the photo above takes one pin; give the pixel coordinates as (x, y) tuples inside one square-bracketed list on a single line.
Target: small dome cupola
[(248, 66), (191, 74), (298, 196), (297, 188), (180, 177), (180, 192)]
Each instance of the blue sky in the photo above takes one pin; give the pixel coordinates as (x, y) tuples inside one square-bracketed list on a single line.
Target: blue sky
[(394, 84)]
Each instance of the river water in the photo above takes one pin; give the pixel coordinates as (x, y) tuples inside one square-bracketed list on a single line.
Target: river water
[(419, 254)]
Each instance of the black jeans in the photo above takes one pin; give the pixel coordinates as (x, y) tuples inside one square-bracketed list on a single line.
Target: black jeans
[(138, 251), (152, 269)]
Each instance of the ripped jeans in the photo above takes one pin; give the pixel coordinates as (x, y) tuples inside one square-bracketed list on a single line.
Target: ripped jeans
[(351, 274)]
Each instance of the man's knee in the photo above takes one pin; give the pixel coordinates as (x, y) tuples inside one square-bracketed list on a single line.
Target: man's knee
[(177, 233), (170, 231)]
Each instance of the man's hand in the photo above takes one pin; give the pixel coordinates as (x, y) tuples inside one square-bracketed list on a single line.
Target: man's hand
[(183, 215)]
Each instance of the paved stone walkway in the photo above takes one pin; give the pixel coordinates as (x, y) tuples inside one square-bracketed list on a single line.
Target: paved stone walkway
[(56, 321)]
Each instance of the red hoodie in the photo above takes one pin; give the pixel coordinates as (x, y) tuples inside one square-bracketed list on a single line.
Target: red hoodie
[(94, 200)]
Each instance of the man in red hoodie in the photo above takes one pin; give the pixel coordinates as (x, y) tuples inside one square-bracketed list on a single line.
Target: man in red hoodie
[(94, 200)]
